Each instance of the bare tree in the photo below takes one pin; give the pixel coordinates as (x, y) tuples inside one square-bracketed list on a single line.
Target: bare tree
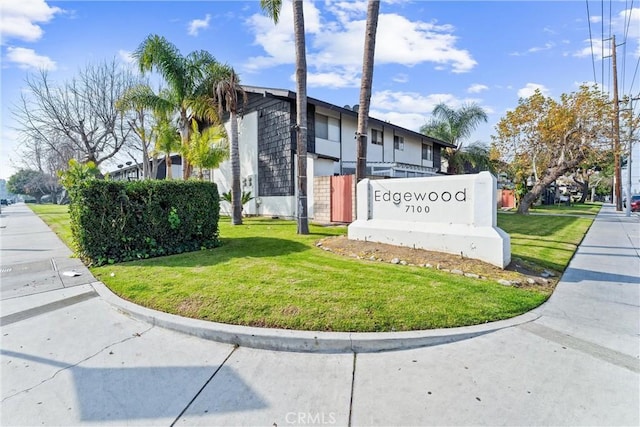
[(80, 113)]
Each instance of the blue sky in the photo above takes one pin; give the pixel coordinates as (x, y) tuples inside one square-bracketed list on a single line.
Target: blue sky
[(427, 52)]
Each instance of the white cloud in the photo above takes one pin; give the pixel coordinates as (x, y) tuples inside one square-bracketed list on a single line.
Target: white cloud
[(28, 58), (347, 10), (277, 39), (126, 56), (411, 121), (534, 49), (400, 78), (595, 19), (336, 46), (199, 24), (477, 88), (624, 23), (596, 46), (19, 19), (410, 102), (530, 89), (546, 46), (399, 41), (335, 80)]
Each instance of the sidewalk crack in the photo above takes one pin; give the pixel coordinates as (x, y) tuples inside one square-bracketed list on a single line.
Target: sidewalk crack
[(46, 380)]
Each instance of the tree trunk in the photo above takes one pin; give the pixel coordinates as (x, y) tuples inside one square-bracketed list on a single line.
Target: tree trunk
[(373, 9), (301, 113), (550, 175), (146, 172), (234, 154), (185, 133), (585, 190), (153, 172), (167, 160)]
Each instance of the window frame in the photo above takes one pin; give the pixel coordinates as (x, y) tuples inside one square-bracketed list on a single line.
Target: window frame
[(381, 136), (398, 142), (429, 151), (321, 119)]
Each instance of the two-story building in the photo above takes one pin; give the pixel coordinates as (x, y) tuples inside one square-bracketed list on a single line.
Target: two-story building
[(268, 157)]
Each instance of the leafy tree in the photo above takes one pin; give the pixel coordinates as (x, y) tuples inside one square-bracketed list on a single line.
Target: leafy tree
[(29, 182), (227, 94), (80, 113), (272, 8), (373, 9), (167, 141), (207, 148), (477, 157), (549, 138), (189, 84), (78, 172), (454, 127)]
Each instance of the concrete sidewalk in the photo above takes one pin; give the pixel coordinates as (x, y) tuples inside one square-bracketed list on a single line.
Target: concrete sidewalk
[(68, 357), (32, 258)]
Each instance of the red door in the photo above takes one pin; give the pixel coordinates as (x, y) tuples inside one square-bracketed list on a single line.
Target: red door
[(341, 198)]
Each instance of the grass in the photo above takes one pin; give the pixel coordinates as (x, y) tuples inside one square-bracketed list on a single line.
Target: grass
[(574, 209), (544, 240), (266, 275), (57, 218)]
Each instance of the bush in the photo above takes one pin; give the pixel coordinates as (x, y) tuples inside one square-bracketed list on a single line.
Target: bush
[(122, 221)]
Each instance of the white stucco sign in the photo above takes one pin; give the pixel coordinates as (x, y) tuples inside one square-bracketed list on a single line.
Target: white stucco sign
[(452, 214)]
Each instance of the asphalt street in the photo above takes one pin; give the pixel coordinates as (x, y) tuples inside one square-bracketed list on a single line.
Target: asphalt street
[(69, 356)]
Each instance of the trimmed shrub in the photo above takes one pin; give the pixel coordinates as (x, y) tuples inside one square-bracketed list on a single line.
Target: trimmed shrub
[(115, 221)]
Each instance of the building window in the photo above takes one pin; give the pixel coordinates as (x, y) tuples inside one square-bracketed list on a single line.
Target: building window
[(398, 143), (427, 152), (376, 137), (322, 126)]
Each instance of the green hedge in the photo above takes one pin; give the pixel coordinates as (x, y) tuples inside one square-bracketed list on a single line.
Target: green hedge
[(115, 221)]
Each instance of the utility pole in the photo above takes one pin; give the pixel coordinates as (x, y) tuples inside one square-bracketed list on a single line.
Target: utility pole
[(627, 210), (616, 130)]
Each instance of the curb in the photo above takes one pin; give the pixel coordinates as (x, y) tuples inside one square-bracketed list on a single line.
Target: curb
[(307, 341)]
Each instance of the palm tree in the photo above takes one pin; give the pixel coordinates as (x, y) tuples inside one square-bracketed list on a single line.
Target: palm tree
[(226, 90), (168, 141), (454, 126), (272, 8), (207, 148), (373, 9), (188, 83)]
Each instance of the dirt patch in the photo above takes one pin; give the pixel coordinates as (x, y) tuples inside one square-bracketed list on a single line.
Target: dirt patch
[(519, 273)]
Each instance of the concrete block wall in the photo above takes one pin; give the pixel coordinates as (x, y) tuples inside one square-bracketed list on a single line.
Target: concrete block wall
[(322, 199)]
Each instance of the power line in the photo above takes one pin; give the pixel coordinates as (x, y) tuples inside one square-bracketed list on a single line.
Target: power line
[(635, 73), (593, 60), (602, 40)]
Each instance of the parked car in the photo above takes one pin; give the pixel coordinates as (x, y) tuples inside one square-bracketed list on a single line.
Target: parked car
[(635, 203), (4, 202)]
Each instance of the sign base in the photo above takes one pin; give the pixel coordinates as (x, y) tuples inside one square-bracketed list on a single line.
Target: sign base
[(488, 244)]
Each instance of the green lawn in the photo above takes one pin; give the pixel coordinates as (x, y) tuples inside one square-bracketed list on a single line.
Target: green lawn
[(545, 240), (266, 275), (57, 218), (573, 209)]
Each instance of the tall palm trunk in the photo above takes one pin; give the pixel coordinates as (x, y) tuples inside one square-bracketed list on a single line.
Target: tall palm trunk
[(373, 9), (236, 195), (167, 160), (185, 133), (301, 115)]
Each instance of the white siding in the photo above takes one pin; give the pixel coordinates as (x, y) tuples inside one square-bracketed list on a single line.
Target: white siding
[(248, 146)]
